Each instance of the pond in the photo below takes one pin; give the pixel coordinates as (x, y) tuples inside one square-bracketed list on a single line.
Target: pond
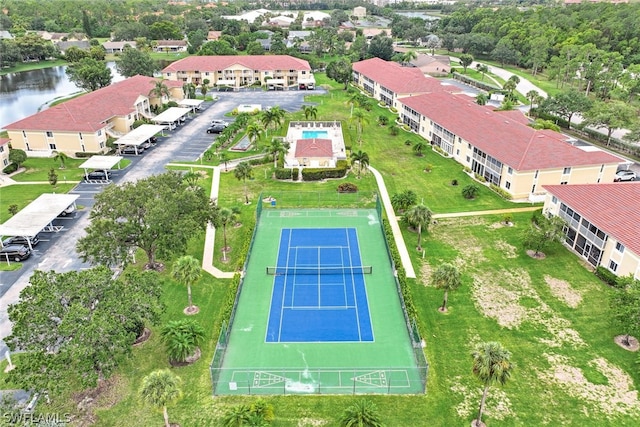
[(25, 93)]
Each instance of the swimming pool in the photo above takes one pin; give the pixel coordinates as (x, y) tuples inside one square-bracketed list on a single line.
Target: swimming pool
[(309, 134)]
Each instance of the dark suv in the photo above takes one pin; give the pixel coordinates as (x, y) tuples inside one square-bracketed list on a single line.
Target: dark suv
[(15, 252), (21, 241)]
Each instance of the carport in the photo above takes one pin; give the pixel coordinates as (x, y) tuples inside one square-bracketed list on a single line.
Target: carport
[(139, 135), (100, 162), (38, 216), (170, 117), (193, 104)]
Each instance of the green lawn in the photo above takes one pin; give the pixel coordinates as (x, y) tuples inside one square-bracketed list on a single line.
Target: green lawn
[(37, 169), (552, 314), (22, 195)]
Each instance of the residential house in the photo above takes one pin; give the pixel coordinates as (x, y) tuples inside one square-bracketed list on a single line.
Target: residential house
[(282, 71), (370, 33), (281, 21), (502, 150), (433, 65), (388, 81), (6, 35), (83, 124), (80, 44), (118, 47), (359, 12), (314, 152), (170, 46), (4, 153), (213, 35), (603, 223)]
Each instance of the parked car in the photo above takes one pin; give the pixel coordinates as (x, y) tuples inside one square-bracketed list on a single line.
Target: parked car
[(130, 149), (98, 175), (153, 140), (219, 122), (215, 128), (625, 175), (15, 252), (21, 241), (68, 211), (145, 145)]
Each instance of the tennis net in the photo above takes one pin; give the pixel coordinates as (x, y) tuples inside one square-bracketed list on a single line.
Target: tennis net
[(277, 271)]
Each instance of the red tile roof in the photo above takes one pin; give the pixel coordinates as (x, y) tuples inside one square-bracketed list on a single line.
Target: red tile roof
[(400, 80), (314, 147), (511, 142), (254, 62), (612, 207), (4, 141), (89, 112)]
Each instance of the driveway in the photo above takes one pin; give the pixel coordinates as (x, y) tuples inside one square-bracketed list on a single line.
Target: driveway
[(186, 143)]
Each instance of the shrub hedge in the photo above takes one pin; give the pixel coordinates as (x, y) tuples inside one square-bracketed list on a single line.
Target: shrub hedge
[(608, 277), (501, 191), (473, 82), (11, 168)]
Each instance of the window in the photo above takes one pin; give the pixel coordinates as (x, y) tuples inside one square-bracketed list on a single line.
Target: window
[(469, 146), (5, 162), (80, 135), (102, 145), (458, 152), (52, 146), (168, 74), (536, 175), (601, 168), (24, 134), (510, 170), (554, 200), (99, 132), (613, 266), (533, 189), (49, 134), (620, 247), (507, 185), (206, 73), (468, 159), (563, 182), (566, 171), (2, 149)]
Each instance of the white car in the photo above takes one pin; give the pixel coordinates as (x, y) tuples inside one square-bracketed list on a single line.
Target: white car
[(625, 175), (219, 122)]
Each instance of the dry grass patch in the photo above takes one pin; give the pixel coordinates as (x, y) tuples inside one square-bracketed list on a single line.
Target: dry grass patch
[(508, 250), (563, 291), (425, 273), (510, 299), (498, 406), (618, 397), (453, 232), (311, 422)]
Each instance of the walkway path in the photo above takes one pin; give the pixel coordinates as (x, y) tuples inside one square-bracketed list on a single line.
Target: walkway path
[(395, 228), (489, 212)]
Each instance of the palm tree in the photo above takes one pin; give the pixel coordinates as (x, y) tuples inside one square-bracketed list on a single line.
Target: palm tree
[(275, 148), (267, 118), (254, 130), (242, 172), (482, 68), (160, 388), (60, 157), (491, 365), (189, 90), (447, 278), (207, 155), (394, 130), (360, 119), (470, 191), (419, 216), (362, 413), (187, 270), (204, 87), (310, 111), (226, 216), (532, 96), (224, 158), (191, 178), (363, 160), (237, 416), (418, 147), (182, 338), (159, 90), (409, 56), (278, 115)]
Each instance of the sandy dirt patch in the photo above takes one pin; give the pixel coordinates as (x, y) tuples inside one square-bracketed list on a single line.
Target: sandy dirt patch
[(508, 250), (563, 291), (311, 422), (452, 230), (510, 299), (425, 273), (617, 397), (498, 406)]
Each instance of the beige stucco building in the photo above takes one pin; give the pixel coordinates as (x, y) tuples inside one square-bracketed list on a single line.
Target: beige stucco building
[(83, 124), (501, 148), (281, 71), (4, 153), (603, 223)]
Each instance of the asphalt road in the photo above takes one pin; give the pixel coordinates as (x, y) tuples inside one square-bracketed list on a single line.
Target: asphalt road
[(186, 143)]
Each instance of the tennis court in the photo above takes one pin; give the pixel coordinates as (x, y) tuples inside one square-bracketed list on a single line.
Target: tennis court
[(318, 311)]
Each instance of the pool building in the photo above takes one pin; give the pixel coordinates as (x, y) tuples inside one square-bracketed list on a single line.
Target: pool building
[(315, 144)]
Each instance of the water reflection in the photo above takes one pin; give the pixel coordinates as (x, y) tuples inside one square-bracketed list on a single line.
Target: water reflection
[(25, 93)]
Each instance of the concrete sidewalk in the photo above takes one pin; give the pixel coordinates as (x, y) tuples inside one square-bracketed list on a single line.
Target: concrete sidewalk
[(395, 227)]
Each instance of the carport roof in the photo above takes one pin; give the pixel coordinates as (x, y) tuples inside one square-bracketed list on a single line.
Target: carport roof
[(140, 134), (191, 102), (171, 115), (101, 162), (37, 215)]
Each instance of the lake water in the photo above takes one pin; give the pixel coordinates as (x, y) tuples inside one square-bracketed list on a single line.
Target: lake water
[(417, 14), (25, 93)]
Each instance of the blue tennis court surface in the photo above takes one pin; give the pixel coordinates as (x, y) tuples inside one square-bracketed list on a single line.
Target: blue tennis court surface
[(324, 300)]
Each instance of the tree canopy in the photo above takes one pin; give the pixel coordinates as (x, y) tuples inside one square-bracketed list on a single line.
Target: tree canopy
[(76, 327), (134, 62), (89, 74), (157, 214)]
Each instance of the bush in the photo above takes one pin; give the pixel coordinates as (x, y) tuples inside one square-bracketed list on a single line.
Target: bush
[(501, 191), (347, 187), (407, 142), (428, 167), (454, 182), (393, 109), (11, 168), (83, 155), (467, 169), (470, 191), (537, 217), (282, 173), (607, 276), (479, 177)]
